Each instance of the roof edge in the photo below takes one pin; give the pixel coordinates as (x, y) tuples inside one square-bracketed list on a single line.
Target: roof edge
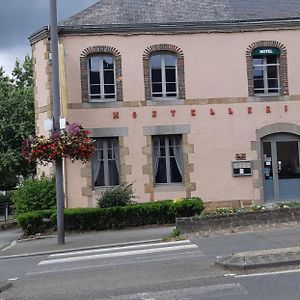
[(229, 26), (39, 35)]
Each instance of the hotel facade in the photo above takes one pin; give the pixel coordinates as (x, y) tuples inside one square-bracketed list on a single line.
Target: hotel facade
[(197, 98)]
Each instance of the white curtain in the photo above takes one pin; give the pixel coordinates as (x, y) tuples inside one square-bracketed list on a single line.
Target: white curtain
[(179, 158), (96, 166), (116, 153), (155, 156), (96, 169)]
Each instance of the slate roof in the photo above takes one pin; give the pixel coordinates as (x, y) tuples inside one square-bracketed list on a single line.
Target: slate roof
[(143, 12)]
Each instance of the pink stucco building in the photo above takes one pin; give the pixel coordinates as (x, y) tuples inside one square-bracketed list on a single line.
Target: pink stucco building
[(183, 98)]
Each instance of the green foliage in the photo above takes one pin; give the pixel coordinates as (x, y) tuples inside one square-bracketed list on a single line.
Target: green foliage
[(86, 219), (120, 195), (288, 204), (16, 123), (175, 233), (35, 194), (35, 221), (224, 211)]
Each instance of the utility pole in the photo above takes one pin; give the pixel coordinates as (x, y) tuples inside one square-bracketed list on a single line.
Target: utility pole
[(56, 122)]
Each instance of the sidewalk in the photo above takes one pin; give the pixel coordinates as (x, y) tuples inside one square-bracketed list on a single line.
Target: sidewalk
[(46, 245)]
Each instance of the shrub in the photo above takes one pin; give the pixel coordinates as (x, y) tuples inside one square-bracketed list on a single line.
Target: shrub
[(175, 233), (34, 222), (86, 219), (119, 195), (35, 194)]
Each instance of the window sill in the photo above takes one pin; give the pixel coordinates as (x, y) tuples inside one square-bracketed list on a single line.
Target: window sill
[(169, 187), (165, 102), (267, 98), (102, 104)]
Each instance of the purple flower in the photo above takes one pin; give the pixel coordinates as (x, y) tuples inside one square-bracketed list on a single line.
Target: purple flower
[(74, 128)]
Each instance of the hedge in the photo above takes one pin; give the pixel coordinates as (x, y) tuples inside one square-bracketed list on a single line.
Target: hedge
[(86, 219), (35, 221)]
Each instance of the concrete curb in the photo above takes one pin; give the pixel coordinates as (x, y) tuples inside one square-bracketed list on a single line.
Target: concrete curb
[(4, 286), (78, 249), (261, 259), (241, 267)]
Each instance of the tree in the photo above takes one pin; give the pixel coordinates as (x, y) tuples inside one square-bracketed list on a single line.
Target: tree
[(16, 123)]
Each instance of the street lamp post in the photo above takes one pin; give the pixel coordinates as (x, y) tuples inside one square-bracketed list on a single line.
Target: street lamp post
[(56, 121)]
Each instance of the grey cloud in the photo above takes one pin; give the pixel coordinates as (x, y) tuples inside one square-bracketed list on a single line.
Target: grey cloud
[(20, 18)]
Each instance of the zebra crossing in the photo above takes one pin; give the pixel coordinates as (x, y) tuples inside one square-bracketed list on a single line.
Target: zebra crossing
[(101, 257), (155, 254)]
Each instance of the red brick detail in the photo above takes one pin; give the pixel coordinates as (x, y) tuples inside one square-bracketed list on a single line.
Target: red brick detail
[(134, 114), (286, 109), (193, 112), (282, 68), (230, 111), (180, 67), (116, 115), (173, 112), (249, 109), (154, 114), (268, 109), (212, 112), (84, 57)]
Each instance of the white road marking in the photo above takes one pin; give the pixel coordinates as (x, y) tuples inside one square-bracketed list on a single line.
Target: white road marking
[(203, 292), (268, 273), (12, 244), (13, 279), (116, 254), (160, 257), (74, 253), (146, 296), (229, 275)]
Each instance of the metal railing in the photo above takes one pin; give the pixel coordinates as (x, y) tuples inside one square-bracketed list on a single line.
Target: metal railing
[(5, 212)]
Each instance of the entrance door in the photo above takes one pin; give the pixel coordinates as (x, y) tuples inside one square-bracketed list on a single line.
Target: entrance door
[(281, 167)]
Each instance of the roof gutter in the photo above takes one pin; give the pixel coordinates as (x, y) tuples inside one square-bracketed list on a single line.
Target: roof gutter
[(191, 27)]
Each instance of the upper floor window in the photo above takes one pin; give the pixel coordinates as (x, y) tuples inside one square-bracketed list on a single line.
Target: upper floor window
[(167, 159), (163, 75), (106, 162), (266, 67), (102, 78)]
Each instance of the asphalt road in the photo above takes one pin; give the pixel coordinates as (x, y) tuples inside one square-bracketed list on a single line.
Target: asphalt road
[(175, 275), (178, 270)]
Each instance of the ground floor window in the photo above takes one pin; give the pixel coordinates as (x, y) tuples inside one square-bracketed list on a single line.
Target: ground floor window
[(167, 159), (105, 164)]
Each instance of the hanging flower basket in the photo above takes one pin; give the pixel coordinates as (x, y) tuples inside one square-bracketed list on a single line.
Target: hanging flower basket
[(73, 142)]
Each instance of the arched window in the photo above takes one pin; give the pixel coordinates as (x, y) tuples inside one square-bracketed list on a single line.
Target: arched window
[(101, 74), (267, 69), (266, 65), (102, 77), (163, 66), (164, 72)]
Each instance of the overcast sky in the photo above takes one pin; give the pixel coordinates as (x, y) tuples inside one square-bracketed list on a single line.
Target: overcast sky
[(20, 18)]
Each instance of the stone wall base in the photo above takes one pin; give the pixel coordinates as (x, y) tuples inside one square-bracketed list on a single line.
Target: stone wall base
[(221, 222)]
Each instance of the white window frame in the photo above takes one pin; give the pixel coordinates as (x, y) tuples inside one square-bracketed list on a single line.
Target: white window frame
[(163, 75), (101, 71), (105, 162), (265, 66), (168, 164)]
